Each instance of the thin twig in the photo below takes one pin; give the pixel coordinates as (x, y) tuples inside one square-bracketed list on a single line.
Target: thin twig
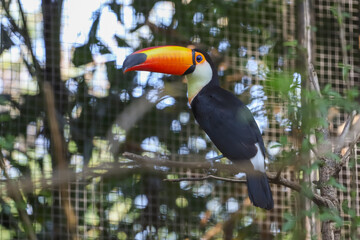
[(314, 79), (194, 179), (26, 36), (345, 133), (278, 174), (215, 158), (144, 160), (129, 117), (348, 136), (348, 152)]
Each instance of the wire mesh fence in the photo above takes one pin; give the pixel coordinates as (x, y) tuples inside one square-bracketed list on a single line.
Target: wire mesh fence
[(71, 181)]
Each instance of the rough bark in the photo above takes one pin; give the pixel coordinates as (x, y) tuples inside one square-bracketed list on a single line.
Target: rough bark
[(56, 99), (326, 172), (329, 168)]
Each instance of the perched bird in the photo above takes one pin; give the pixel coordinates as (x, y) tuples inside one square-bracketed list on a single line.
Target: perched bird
[(226, 120)]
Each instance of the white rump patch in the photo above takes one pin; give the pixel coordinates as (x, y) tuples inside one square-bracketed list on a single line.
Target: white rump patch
[(259, 160)]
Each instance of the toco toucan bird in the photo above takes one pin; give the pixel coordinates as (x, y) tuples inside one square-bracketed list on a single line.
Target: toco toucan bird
[(225, 119)]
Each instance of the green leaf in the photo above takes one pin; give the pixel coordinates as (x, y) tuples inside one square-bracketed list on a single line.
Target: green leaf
[(352, 94), (334, 183), (121, 42), (94, 28), (314, 166), (346, 15), (5, 40), (5, 117), (332, 156), (103, 48), (290, 221), (7, 142), (347, 210), (72, 147), (326, 89), (280, 82), (345, 69), (313, 210), (331, 215), (306, 190), (334, 11), (283, 140), (116, 8), (3, 100), (292, 43), (82, 55)]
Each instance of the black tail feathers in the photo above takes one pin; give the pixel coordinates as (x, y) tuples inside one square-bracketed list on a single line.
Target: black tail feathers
[(259, 190)]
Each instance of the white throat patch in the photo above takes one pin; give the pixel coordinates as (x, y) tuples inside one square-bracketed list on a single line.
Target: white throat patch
[(198, 79)]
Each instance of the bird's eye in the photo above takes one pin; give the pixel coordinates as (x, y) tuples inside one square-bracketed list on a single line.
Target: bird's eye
[(199, 58)]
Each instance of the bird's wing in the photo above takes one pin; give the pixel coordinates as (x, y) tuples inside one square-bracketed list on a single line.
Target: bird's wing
[(228, 123)]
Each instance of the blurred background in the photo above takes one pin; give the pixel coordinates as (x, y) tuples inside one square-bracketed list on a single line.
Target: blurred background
[(67, 115)]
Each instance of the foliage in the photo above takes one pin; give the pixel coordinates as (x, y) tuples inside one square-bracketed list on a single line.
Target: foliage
[(139, 204)]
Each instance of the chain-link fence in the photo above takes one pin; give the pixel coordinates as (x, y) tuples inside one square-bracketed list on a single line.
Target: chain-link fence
[(68, 113)]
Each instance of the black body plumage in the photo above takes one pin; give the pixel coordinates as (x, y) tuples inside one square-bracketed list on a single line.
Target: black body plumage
[(232, 128), (228, 123)]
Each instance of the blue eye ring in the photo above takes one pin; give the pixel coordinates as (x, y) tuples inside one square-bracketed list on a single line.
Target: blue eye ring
[(199, 58)]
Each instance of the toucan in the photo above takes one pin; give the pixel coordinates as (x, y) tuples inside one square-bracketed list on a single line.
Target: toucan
[(226, 120)]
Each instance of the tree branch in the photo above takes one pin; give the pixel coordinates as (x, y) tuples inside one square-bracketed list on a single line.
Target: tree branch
[(194, 179), (60, 157), (24, 34), (314, 79), (231, 169), (345, 134), (129, 117)]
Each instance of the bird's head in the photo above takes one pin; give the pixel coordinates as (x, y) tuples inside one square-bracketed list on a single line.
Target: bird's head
[(195, 64)]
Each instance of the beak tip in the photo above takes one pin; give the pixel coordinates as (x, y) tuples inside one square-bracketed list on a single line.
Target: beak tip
[(133, 60)]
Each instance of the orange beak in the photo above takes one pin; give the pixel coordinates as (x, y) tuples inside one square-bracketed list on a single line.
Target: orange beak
[(173, 60)]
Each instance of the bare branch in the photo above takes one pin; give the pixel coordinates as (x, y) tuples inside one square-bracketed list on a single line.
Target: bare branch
[(345, 132), (194, 179), (60, 157), (23, 33), (215, 158), (26, 36), (349, 135), (232, 169), (146, 161), (347, 154), (314, 79), (129, 117)]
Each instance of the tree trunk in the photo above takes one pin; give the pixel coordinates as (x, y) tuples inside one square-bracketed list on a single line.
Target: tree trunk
[(328, 170)]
